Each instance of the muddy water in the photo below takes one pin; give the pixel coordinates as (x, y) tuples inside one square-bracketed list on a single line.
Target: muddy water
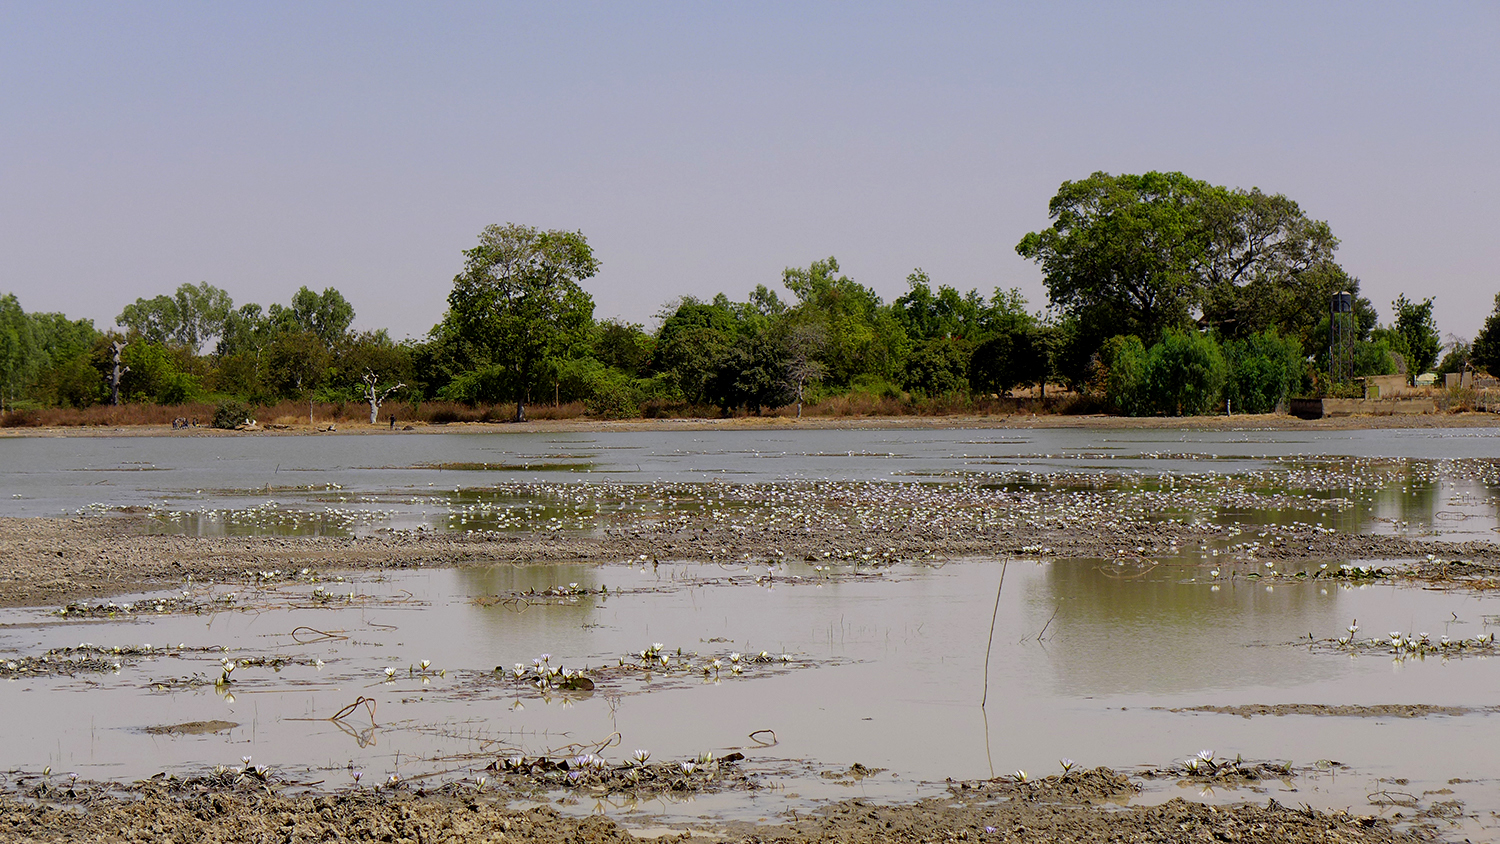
[(48, 476), (884, 668)]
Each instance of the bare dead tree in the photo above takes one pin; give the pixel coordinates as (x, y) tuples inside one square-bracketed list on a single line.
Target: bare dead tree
[(375, 395), (116, 374)]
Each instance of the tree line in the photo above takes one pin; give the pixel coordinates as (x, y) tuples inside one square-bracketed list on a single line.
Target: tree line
[(1166, 295)]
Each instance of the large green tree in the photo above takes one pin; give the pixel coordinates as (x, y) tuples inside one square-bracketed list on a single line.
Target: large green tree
[(518, 305), (189, 318), (1144, 254)]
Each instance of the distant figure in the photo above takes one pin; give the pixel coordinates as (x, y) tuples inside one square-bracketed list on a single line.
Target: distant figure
[(393, 421)]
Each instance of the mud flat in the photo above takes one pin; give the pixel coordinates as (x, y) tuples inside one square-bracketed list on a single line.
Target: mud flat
[(1073, 807), (56, 560)]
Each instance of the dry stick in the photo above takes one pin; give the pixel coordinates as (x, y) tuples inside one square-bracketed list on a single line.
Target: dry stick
[(1049, 622), (996, 614)]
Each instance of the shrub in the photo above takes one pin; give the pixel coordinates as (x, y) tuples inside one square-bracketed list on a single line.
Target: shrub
[(230, 415), (1264, 369)]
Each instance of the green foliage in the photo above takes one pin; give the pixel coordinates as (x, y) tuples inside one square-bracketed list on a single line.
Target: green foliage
[(155, 375), (518, 304), (1183, 375), (1417, 333), (691, 346), (1485, 353), (189, 318), (19, 359), (1265, 369), (325, 315), (860, 336), (1125, 374), (1374, 358), (936, 367), (1186, 374), (752, 374), (230, 415), (1457, 358), (624, 346), (1136, 254), (1014, 356)]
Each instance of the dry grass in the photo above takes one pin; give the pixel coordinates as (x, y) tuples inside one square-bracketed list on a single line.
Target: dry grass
[(107, 416)]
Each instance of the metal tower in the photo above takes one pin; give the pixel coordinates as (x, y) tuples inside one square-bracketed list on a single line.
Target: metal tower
[(1342, 329)]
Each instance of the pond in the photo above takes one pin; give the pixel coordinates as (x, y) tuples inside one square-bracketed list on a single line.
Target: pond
[(1139, 659)]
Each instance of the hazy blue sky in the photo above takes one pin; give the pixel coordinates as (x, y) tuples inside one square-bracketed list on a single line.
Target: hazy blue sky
[(703, 147)]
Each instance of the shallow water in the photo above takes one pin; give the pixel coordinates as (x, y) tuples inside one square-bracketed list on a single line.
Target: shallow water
[(48, 476), (886, 669)]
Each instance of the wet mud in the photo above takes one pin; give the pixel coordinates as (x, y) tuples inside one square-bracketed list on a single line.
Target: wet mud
[(1062, 808)]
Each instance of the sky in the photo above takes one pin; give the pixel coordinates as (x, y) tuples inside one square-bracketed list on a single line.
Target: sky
[(705, 147)]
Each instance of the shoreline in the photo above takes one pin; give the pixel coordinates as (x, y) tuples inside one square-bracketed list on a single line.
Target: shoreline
[(1253, 422)]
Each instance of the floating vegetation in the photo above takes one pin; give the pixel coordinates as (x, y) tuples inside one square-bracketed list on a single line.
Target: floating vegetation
[(1204, 769), (1404, 646), (89, 658)]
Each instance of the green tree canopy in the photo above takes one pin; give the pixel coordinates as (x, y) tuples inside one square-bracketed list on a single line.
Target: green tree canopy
[(517, 304), (1143, 254), (191, 317), (1417, 332)]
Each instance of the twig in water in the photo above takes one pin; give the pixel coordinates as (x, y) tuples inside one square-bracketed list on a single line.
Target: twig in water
[(996, 614), (318, 635), (762, 742)]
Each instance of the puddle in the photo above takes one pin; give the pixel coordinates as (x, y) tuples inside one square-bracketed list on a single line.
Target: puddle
[(885, 670)]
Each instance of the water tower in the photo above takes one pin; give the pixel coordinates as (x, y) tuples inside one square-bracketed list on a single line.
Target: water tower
[(1342, 329)]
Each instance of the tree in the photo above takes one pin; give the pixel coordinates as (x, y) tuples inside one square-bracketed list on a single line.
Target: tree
[(1418, 333), (327, 315), (1015, 356), (518, 302), (692, 344), (189, 318), (1485, 352), (18, 350), (862, 337), (1140, 254), (376, 395), (1121, 250)]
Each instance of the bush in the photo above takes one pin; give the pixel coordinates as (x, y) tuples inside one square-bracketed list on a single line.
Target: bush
[(230, 415), (1264, 369), (1186, 374)]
